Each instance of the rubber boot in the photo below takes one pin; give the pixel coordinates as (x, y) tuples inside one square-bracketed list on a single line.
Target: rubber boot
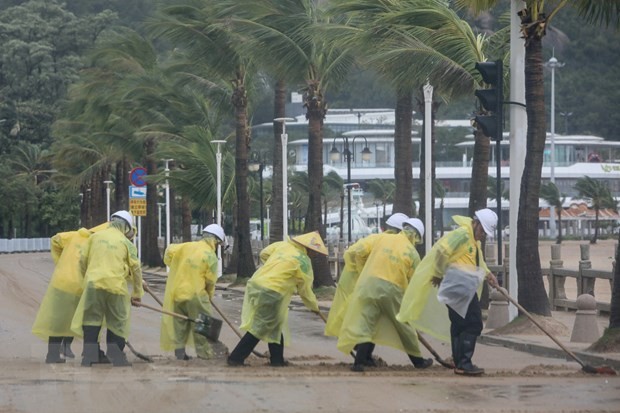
[(90, 354), (53, 351), (370, 361), (420, 362), (276, 354), (363, 350), (243, 350), (115, 346), (464, 366), (180, 354), (66, 347)]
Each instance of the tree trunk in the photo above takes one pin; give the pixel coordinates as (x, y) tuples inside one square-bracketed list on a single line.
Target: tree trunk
[(316, 110), (479, 172), (186, 219), (403, 149), (245, 263), (151, 255), (121, 196), (532, 295), (595, 238), (279, 111), (614, 311), (559, 214)]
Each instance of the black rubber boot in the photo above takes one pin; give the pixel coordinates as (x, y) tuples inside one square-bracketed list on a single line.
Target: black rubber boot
[(276, 354), (180, 354), (420, 362), (243, 350), (90, 354), (363, 352), (66, 347), (115, 346), (464, 366), (53, 351)]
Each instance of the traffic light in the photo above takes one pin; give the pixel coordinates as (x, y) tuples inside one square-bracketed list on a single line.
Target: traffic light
[(491, 99)]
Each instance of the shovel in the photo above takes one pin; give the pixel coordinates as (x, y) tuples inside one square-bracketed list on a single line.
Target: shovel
[(585, 367), (433, 352), (205, 325), (237, 332)]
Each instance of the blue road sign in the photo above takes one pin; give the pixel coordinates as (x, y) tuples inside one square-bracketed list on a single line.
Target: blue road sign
[(136, 176)]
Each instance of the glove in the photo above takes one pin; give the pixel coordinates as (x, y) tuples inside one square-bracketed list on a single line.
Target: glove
[(436, 281)]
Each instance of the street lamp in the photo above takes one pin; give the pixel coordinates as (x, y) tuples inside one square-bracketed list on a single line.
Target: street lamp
[(218, 160), (284, 138), (167, 189), (552, 64), (334, 154), (107, 193), (566, 116), (256, 165)]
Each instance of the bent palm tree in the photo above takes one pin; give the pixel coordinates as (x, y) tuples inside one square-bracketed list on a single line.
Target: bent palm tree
[(551, 194), (599, 195)]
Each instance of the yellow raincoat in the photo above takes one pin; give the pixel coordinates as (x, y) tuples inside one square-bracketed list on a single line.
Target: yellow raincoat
[(109, 263), (286, 270), (420, 306), (66, 284), (354, 259), (189, 289), (372, 308)]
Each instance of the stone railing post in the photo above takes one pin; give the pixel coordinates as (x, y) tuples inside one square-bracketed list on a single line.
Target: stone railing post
[(556, 283), (498, 310), (585, 285), (585, 328)]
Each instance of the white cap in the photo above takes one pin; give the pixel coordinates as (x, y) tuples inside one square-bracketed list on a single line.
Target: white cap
[(396, 220), (488, 219), (125, 216), (417, 224), (215, 230)]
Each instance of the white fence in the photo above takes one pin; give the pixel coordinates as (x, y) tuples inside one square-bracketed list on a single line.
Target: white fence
[(8, 246)]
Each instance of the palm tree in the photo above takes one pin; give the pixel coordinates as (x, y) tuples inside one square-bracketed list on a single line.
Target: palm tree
[(551, 194), (199, 28), (535, 19), (382, 190), (599, 195)]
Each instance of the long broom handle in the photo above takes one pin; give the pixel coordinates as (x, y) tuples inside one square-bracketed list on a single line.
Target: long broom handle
[(170, 313), (152, 294), (232, 326), (551, 336)]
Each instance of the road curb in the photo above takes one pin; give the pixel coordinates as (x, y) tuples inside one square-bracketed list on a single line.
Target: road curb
[(545, 351)]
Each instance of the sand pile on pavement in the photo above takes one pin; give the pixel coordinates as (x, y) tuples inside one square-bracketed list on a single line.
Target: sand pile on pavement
[(523, 325)]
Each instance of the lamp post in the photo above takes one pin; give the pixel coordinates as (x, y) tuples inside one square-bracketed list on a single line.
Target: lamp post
[(256, 165), (428, 177), (566, 116), (334, 154), (167, 190), (552, 64), (284, 138), (107, 193), (218, 220)]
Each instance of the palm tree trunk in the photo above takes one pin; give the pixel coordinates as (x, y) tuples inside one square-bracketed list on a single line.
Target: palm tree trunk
[(479, 172), (595, 238), (403, 173), (121, 197), (245, 263), (151, 255), (531, 292), (316, 111), (279, 111), (559, 214), (614, 311), (186, 219)]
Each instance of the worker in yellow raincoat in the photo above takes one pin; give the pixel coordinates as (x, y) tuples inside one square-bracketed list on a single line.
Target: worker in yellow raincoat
[(286, 270), (371, 313), (189, 291), (53, 320), (354, 259), (420, 306), (109, 263)]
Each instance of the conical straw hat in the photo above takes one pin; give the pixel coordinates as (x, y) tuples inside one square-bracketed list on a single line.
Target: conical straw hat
[(313, 241)]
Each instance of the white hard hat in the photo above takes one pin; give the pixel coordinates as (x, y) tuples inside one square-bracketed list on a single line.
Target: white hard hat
[(215, 230), (417, 224), (396, 220), (125, 216), (488, 219)]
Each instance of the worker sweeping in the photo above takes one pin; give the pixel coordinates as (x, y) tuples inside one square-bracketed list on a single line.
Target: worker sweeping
[(109, 263), (354, 259), (189, 291), (456, 255), (372, 309), (286, 270), (53, 320)]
